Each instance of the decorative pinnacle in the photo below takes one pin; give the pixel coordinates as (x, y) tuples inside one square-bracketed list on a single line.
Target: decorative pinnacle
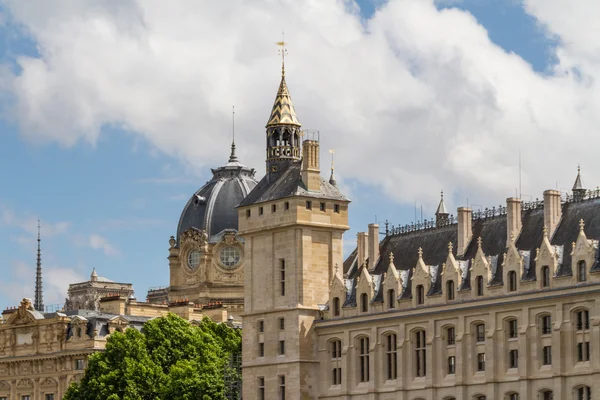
[(479, 241), (581, 225), (39, 298), (512, 236), (391, 257), (337, 267), (420, 252), (232, 156), (450, 247), (282, 52), (545, 231)]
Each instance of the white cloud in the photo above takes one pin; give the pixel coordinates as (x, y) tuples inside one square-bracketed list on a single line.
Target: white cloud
[(96, 242), (416, 100), (29, 223)]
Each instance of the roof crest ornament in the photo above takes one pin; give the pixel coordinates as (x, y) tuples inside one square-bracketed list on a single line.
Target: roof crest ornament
[(450, 247), (420, 252), (391, 257), (332, 177), (233, 157), (479, 241), (581, 225), (545, 231), (282, 52)]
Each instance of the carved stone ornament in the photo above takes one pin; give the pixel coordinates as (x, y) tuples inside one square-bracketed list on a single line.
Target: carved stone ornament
[(3, 342), (23, 315), (229, 238), (49, 337), (25, 383), (4, 385), (48, 382), (195, 235)]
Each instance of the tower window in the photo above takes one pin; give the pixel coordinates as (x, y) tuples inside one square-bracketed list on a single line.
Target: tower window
[(308, 205), (480, 332), (451, 365), (581, 271), (281, 387), (513, 329), (364, 302), (513, 358), (261, 388), (512, 281), (547, 355), (450, 336), (281, 324), (282, 276), (583, 320), (336, 364), (450, 290), (336, 306), (261, 349), (420, 354), (479, 281), (420, 294), (274, 208), (322, 207), (261, 326), (286, 205), (391, 299), (260, 211), (282, 347), (481, 362), (545, 276), (336, 208), (546, 324), (248, 213)]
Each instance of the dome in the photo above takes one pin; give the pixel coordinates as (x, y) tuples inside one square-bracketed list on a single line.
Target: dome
[(212, 207)]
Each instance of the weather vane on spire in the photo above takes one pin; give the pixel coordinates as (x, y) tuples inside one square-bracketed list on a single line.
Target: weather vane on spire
[(282, 52)]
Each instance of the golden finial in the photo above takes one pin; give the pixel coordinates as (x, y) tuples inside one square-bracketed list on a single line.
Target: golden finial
[(282, 52), (581, 224)]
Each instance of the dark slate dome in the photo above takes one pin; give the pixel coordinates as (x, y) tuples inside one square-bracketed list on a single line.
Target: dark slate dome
[(212, 207)]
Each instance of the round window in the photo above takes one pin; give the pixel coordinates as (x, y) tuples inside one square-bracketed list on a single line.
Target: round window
[(230, 257), (194, 259)]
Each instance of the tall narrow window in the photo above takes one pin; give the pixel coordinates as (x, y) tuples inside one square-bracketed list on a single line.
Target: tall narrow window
[(547, 355), (420, 294), (479, 282), (513, 329), (391, 299), (481, 362), (363, 358), (322, 207), (513, 358), (336, 208), (336, 362), (309, 205), (545, 276), (546, 324), (261, 326), (281, 387), (547, 395), (583, 351), (274, 208), (261, 349), (512, 281), (261, 388), (480, 332), (286, 205), (281, 324), (583, 320), (336, 306), (581, 271), (282, 347), (282, 276), (391, 356), (364, 302), (451, 336), (420, 354), (79, 365), (584, 393), (450, 290), (260, 211), (451, 365)]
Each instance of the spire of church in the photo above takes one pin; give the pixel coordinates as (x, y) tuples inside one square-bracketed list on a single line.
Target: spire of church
[(332, 178), (441, 214), (578, 189), (232, 156), (39, 298)]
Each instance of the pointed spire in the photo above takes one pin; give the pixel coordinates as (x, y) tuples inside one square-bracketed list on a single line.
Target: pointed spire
[(283, 112), (332, 178), (578, 190), (232, 156), (39, 297), (441, 210), (94, 276)]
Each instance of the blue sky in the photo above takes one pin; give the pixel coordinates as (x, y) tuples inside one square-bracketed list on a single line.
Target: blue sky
[(112, 201)]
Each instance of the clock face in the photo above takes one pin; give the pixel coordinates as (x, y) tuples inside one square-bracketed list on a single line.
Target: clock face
[(193, 259), (230, 257)]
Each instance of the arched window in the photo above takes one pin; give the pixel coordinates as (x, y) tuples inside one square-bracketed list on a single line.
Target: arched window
[(450, 290), (335, 349), (512, 396), (420, 294), (512, 281), (479, 284), (391, 299), (391, 359), (583, 393), (363, 359), (546, 324), (420, 353), (513, 328), (546, 394), (364, 302), (545, 276), (479, 397), (336, 306), (480, 332), (581, 271)]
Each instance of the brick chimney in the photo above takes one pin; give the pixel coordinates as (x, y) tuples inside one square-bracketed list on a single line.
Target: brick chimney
[(310, 165), (362, 244), (513, 218), (552, 210), (465, 229), (373, 245)]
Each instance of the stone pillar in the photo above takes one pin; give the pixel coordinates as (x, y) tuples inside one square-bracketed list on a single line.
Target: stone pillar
[(373, 240), (513, 219), (310, 165), (362, 247), (465, 229), (552, 210)]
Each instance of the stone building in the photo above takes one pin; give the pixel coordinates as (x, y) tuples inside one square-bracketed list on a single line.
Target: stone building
[(206, 257), (498, 304), (87, 295)]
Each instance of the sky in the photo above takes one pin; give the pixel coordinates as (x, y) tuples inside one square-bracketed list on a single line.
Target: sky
[(112, 114)]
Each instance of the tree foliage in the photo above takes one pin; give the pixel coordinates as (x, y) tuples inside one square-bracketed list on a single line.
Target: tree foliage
[(168, 359)]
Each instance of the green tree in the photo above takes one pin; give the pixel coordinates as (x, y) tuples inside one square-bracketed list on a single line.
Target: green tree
[(168, 359)]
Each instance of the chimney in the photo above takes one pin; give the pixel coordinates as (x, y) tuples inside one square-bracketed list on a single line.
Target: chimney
[(310, 165), (513, 219), (373, 245), (362, 239), (465, 231), (552, 210)]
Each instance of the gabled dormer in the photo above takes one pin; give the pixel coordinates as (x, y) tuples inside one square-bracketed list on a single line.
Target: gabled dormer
[(392, 285), (337, 294), (582, 255), (546, 256), (364, 289), (421, 281), (480, 272), (452, 278)]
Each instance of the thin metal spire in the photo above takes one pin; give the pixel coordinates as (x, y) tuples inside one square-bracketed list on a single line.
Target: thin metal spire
[(39, 297), (233, 157), (283, 53), (332, 178)]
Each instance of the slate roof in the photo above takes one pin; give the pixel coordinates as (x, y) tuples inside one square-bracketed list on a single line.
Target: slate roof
[(493, 231), (288, 184)]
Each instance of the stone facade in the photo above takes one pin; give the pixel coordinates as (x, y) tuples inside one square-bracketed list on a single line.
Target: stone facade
[(87, 295)]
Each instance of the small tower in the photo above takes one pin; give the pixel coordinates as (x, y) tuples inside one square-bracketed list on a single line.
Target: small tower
[(441, 215), (39, 298), (578, 190), (283, 129)]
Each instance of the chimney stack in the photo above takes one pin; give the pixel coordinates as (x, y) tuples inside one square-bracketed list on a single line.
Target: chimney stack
[(310, 165), (465, 229), (362, 244), (552, 210), (513, 218), (373, 245)]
